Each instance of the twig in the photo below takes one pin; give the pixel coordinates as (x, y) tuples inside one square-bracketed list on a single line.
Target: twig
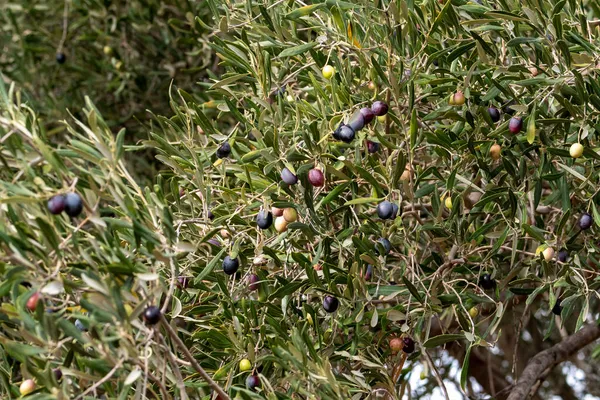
[(176, 371), (192, 360), (101, 381), (519, 329), (161, 387), (436, 373), (65, 26)]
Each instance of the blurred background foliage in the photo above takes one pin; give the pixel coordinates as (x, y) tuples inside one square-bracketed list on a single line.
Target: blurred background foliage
[(123, 55), (160, 205)]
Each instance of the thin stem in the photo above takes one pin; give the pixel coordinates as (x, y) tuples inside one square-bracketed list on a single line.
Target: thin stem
[(192, 360)]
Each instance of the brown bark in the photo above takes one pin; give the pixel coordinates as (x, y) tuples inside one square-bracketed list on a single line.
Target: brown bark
[(551, 357)]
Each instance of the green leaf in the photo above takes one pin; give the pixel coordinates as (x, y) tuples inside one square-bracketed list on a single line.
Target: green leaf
[(413, 129), (297, 50), (531, 127), (304, 11), (412, 289), (363, 200), (379, 71), (442, 339), (21, 351), (464, 373), (210, 266)]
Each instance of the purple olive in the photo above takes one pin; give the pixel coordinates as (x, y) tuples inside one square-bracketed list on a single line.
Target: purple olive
[(409, 345), (557, 309), (385, 210), (372, 147), (253, 282), (264, 219), (316, 177), (73, 204), (230, 265), (367, 114), (357, 122), (252, 382), (369, 273), (288, 177), (563, 255), (346, 134), (515, 125), (152, 315), (487, 282), (494, 114), (56, 204), (330, 304), (379, 108), (585, 221), (224, 150)]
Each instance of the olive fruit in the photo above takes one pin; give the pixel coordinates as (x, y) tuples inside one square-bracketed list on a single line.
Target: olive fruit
[(33, 301), (494, 114), (290, 214), (515, 125), (277, 212), (281, 224), (316, 177), (457, 99), (385, 243), (73, 204), (487, 282), (576, 150), (557, 309), (230, 265), (61, 58), (385, 210), (563, 255), (367, 114), (224, 150), (330, 304), (346, 134), (328, 71), (448, 202), (495, 151), (396, 344), (473, 312), (409, 345), (288, 177), (379, 108), (56, 204), (27, 387), (245, 365), (253, 282), (264, 219), (152, 315), (585, 221), (336, 132), (357, 122), (368, 272), (548, 253), (252, 382), (372, 147), (57, 373), (395, 210)]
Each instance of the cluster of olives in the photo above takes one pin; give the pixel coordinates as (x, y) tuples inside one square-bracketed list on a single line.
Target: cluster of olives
[(347, 132), (71, 204)]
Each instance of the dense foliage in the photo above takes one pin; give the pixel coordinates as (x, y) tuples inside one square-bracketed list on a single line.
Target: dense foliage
[(289, 248)]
